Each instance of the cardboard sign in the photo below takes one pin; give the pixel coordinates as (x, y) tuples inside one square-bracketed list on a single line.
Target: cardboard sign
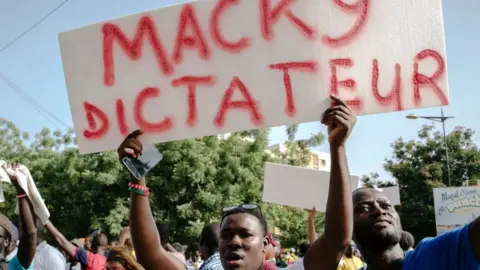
[(455, 206), (212, 67), (298, 187), (392, 193)]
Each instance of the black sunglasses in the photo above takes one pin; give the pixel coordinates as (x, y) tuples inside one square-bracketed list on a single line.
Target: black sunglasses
[(248, 207)]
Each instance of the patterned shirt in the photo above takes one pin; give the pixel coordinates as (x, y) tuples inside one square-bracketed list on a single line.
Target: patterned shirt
[(212, 263)]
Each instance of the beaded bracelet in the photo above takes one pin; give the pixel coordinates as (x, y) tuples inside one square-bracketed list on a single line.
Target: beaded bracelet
[(140, 192), (137, 186)]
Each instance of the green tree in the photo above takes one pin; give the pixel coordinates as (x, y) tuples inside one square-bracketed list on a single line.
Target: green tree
[(373, 181), (420, 165), (195, 179)]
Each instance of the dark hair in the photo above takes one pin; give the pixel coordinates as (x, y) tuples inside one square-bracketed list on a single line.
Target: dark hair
[(302, 248), (210, 236), (99, 240), (255, 213), (194, 248), (407, 240), (163, 232)]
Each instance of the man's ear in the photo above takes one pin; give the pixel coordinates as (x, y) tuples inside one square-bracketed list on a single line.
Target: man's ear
[(265, 244)]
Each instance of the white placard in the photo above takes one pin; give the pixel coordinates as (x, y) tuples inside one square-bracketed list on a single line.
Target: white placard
[(392, 193), (240, 57), (455, 206), (298, 187)]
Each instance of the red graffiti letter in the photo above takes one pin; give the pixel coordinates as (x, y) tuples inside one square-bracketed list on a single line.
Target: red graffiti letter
[(349, 83), (217, 37), (188, 18), (191, 82), (269, 16), (361, 7), (395, 95), (132, 48), (93, 132), (422, 80), (248, 103), (142, 97), (306, 66), (122, 123)]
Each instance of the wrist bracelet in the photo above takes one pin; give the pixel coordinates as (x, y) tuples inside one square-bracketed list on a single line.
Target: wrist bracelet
[(19, 196), (144, 193)]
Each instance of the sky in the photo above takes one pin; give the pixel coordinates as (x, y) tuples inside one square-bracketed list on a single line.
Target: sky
[(33, 63)]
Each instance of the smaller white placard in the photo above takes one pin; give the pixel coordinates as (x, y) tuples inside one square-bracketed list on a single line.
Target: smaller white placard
[(392, 193), (298, 187)]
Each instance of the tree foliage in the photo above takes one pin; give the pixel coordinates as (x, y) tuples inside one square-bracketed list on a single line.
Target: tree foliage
[(421, 165), (189, 187)]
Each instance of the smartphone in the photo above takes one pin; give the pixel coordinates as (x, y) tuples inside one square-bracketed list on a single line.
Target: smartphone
[(140, 166)]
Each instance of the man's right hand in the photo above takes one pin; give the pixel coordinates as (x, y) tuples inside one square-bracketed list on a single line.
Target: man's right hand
[(131, 146)]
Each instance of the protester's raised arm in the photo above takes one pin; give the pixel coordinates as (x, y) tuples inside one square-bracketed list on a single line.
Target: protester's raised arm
[(145, 237), (28, 239), (61, 240), (326, 252), (312, 234)]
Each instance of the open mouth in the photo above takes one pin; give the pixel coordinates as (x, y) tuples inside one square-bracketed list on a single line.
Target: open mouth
[(233, 259)]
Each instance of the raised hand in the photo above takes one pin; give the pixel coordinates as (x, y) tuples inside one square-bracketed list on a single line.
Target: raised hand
[(131, 146), (340, 121), (312, 213)]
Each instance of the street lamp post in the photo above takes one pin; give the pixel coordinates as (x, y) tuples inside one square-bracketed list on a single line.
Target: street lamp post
[(442, 120)]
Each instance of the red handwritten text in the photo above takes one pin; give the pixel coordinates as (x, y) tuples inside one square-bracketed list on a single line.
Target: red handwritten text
[(422, 80), (188, 18), (348, 83), (249, 103), (241, 44), (145, 28), (361, 7), (269, 16), (285, 67), (191, 82), (395, 95), (144, 125)]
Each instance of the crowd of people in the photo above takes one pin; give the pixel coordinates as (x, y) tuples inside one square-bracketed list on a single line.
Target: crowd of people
[(362, 230)]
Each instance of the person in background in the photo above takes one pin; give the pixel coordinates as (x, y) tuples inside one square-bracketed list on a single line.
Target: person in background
[(243, 235), (209, 241), (114, 243), (89, 260), (302, 249), (12, 249), (28, 232), (312, 234), (407, 242), (88, 243), (195, 261), (349, 261), (270, 252), (378, 232), (120, 258), (46, 256)]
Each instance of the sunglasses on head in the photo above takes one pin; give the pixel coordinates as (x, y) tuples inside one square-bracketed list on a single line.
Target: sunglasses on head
[(247, 207)]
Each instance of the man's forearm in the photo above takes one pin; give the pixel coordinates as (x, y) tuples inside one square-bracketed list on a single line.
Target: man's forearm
[(144, 233), (28, 240), (339, 213)]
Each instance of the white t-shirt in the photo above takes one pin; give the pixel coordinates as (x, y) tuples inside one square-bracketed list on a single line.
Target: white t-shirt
[(48, 258)]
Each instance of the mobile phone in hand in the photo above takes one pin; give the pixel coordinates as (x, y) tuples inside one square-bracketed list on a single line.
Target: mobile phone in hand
[(140, 166)]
